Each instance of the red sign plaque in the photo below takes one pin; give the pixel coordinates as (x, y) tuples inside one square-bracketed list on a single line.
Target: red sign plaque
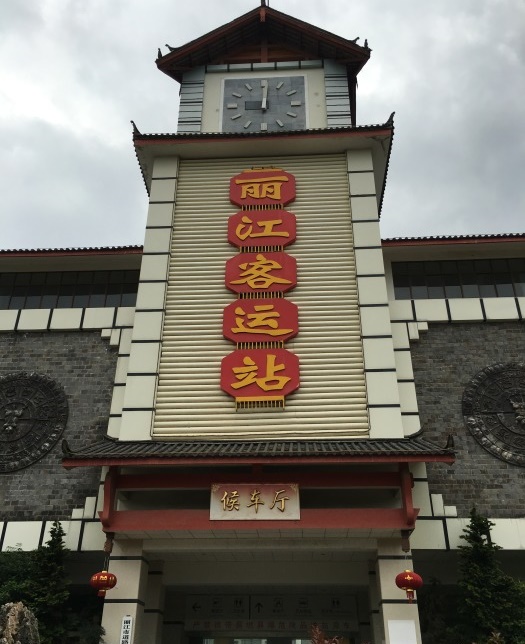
[(260, 374), (259, 272), (260, 320), (262, 228), (262, 187)]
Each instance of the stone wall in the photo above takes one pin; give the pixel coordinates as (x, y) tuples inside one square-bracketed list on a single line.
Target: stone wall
[(84, 365), (445, 359)]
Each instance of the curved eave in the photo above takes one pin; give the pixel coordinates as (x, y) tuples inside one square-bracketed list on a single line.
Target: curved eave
[(71, 252), (443, 240), (503, 245), (262, 24), (215, 145), (110, 452)]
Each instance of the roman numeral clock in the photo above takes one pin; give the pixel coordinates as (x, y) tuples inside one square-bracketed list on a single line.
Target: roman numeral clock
[(260, 104)]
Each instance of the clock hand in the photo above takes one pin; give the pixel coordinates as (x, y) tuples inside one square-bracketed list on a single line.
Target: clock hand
[(264, 103)]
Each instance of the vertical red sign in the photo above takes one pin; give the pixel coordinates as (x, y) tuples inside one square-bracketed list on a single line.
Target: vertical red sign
[(259, 274)]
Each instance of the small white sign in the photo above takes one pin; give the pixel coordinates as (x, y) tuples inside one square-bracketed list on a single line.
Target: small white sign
[(254, 502), (127, 629), (402, 631)]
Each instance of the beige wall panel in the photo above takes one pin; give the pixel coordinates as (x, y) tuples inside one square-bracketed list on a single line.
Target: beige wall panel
[(160, 214), (33, 319), (411, 424), (362, 183), (125, 316), (364, 208), (401, 310), (433, 310), (369, 261), (467, 310), (386, 422), (157, 240), (375, 320), (65, 319), (331, 401), (359, 160), (166, 167), (162, 190), (372, 290), (22, 534), (500, 308), (8, 320), (150, 295), (98, 318)]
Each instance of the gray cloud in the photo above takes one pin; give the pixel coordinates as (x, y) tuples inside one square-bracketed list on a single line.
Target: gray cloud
[(72, 78)]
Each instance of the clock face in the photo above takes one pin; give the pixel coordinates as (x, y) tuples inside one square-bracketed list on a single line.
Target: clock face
[(264, 104)]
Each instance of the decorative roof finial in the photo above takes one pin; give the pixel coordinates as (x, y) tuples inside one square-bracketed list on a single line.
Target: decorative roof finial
[(263, 3)]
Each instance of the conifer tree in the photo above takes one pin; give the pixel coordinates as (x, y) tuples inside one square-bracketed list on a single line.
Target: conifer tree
[(49, 588), (490, 601)]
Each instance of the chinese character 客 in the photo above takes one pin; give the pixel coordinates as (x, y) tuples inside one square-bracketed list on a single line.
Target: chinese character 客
[(257, 274)]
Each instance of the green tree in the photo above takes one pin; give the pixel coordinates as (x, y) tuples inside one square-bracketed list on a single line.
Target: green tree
[(39, 580), (490, 601), (49, 588)]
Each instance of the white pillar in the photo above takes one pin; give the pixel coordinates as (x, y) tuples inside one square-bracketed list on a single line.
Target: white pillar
[(376, 621), (128, 596), (154, 609), (400, 619)]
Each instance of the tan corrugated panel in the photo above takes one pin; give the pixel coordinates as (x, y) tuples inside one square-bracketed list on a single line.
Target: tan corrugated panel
[(331, 401)]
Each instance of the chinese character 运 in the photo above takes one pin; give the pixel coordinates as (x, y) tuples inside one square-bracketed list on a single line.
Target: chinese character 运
[(263, 320)]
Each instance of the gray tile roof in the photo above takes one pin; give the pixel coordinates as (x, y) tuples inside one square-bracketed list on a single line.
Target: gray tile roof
[(115, 450)]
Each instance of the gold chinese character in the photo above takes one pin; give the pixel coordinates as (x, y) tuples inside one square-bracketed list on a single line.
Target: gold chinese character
[(230, 501), (255, 498), (257, 274), (279, 499), (263, 187), (245, 229), (248, 375), (263, 320)]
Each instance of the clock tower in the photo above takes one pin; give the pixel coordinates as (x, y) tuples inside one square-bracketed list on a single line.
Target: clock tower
[(266, 72), (261, 399)]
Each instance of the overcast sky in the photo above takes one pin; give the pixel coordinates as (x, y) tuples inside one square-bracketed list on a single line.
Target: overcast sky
[(73, 73)]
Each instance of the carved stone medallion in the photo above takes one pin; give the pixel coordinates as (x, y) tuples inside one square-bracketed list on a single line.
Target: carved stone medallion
[(494, 410), (33, 415)]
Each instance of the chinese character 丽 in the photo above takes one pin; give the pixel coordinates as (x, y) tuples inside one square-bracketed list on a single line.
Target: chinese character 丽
[(262, 187)]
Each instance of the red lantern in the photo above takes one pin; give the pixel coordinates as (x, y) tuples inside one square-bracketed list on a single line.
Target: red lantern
[(103, 581), (409, 581)]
